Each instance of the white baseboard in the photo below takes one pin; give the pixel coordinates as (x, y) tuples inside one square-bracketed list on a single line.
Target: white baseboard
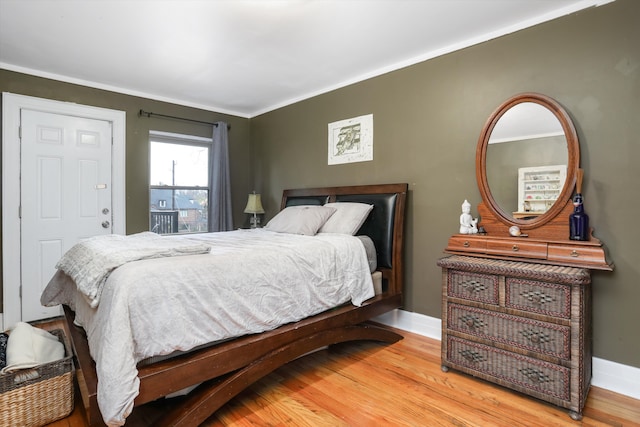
[(616, 377), (609, 375)]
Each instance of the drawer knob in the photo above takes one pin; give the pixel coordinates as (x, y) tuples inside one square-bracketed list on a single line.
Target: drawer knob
[(472, 322), (466, 244), (536, 337), (515, 248), (537, 297), (472, 356), (535, 375), (575, 253)]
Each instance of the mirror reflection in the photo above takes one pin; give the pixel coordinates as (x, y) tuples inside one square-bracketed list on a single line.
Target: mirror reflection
[(526, 160)]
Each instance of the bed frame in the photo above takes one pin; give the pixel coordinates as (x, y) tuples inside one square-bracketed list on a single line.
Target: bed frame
[(226, 369)]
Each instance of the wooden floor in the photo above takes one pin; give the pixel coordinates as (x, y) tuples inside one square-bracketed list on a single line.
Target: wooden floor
[(371, 384)]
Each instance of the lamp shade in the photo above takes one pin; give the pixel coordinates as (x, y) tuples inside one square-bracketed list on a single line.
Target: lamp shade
[(254, 204)]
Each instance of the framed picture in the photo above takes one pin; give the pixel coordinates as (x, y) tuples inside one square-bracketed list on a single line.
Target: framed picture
[(351, 140)]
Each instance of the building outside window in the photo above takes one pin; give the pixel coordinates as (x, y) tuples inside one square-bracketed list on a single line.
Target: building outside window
[(179, 183)]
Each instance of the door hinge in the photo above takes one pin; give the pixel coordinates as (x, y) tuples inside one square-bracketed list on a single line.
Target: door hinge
[(20, 291), (19, 132), (20, 211)]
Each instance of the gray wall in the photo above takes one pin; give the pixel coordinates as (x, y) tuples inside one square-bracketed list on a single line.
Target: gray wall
[(427, 119)]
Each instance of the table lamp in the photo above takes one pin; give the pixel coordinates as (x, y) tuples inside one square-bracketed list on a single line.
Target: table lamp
[(254, 207)]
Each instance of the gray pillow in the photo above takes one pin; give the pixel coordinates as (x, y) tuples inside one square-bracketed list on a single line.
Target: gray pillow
[(304, 219), (347, 219)]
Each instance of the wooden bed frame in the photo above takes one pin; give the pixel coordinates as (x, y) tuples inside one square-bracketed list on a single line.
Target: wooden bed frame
[(227, 368)]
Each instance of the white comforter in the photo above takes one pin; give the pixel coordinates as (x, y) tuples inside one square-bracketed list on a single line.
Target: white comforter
[(252, 281), (90, 262)]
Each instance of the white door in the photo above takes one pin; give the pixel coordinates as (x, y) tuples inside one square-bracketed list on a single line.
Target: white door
[(65, 192)]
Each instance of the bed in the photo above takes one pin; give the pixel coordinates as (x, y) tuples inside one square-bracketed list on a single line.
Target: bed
[(224, 368)]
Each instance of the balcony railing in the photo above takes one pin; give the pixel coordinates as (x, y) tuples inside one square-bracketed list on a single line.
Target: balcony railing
[(164, 222)]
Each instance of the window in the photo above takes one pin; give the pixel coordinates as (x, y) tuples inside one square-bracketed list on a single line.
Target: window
[(179, 183)]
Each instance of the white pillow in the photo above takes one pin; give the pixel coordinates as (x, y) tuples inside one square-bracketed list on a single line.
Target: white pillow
[(347, 219), (303, 219)]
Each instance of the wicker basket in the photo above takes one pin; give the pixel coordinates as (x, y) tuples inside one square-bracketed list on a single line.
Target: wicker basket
[(38, 396)]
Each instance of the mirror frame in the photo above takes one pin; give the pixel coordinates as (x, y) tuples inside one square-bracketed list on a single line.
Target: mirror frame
[(573, 152)]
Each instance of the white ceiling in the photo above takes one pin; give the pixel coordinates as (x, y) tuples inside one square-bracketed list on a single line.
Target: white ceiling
[(247, 57)]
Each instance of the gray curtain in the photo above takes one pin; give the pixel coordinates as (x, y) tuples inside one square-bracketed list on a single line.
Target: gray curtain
[(220, 218)]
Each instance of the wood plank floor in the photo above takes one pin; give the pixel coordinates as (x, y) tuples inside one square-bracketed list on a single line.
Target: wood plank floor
[(372, 384)]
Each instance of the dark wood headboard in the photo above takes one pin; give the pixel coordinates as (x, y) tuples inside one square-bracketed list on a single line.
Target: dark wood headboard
[(384, 225)]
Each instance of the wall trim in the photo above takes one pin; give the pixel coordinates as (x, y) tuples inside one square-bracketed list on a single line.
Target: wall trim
[(613, 376)]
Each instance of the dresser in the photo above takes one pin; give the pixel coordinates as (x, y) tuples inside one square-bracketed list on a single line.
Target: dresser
[(516, 292), (522, 325)]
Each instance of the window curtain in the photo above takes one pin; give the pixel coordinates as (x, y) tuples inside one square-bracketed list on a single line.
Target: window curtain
[(220, 218)]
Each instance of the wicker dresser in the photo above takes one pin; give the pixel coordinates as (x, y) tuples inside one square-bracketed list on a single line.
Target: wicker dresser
[(522, 325)]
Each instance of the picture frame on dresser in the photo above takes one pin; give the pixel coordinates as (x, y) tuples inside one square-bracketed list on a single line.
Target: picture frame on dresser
[(516, 310)]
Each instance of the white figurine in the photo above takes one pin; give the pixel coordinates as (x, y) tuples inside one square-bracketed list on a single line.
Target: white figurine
[(468, 224)]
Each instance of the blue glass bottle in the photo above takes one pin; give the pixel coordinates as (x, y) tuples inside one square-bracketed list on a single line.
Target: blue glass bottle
[(578, 220)]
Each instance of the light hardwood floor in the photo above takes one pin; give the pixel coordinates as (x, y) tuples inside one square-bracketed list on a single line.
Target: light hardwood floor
[(372, 384)]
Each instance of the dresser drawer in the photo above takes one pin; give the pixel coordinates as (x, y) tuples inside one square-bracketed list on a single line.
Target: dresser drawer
[(573, 254), (517, 248), (519, 371), (527, 334), (473, 286), (538, 297), (465, 243)]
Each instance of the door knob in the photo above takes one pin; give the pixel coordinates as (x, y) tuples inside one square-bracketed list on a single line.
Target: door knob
[(105, 224)]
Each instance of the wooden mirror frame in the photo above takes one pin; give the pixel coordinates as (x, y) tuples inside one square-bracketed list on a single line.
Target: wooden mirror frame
[(573, 151)]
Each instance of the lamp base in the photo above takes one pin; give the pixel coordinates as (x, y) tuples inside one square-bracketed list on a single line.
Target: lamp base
[(254, 221)]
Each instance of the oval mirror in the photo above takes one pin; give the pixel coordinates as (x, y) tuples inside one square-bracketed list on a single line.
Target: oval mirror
[(527, 160)]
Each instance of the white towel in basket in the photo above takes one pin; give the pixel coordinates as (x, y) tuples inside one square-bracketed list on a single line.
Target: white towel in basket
[(29, 346)]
